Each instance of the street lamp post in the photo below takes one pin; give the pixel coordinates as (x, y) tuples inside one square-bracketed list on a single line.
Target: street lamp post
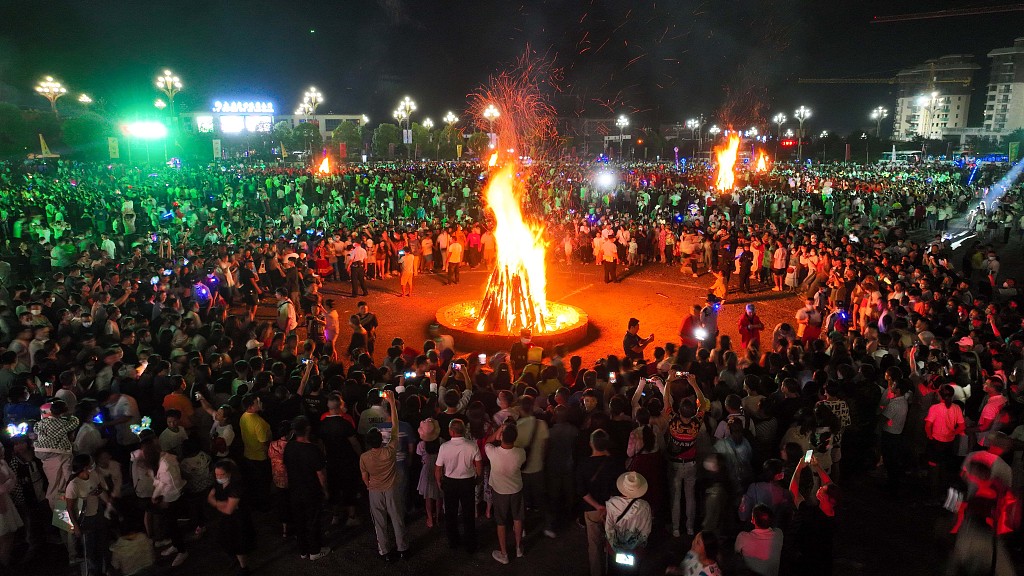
[(314, 98), (51, 90), (822, 137), (491, 113), (802, 113), (404, 114), (170, 85), (925, 102), (85, 99), (879, 114), (779, 119), (429, 125), (622, 122), (694, 125), (451, 120)]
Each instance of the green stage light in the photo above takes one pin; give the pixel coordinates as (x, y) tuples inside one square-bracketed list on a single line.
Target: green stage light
[(145, 130)]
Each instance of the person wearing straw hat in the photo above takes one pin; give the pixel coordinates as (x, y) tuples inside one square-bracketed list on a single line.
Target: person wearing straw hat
[(427, 449), (627, 522)]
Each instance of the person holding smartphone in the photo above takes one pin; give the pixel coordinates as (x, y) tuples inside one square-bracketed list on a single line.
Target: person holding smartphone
[(632, 344), (816, 522)]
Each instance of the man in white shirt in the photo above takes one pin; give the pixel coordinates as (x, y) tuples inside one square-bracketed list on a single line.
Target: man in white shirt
[(761, 548), (453, 260), (457, 467), (357, 268), (506, 482), (286, 318)]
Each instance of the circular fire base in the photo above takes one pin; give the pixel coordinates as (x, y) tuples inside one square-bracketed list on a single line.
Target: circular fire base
[(459, 320)]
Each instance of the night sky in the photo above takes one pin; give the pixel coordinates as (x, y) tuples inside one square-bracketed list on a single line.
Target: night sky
[(661, 61)]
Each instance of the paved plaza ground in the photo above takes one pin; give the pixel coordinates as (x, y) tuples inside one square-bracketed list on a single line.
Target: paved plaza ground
[(877, 534)]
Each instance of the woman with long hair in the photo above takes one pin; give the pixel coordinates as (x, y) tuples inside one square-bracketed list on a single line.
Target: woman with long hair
[(480, 428), (646, 458)]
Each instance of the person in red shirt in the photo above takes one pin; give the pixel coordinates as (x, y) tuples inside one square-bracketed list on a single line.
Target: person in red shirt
[(750, 327), (687, 333)]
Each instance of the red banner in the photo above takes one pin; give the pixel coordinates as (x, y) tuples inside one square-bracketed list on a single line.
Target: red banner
[(343, 151)]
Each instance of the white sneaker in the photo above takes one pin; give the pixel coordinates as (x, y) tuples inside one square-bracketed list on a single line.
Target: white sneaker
[(169, 551), (519, 553), (675, 533), (323, 552), (180, 559), (550, 533), (501, 558)]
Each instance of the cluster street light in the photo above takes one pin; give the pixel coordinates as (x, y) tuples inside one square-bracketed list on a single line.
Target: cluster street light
[(51, 90), (491, 114), (879, 114), (802, 113), (694, 125), (314, 98), (925, 102), (714, 130), (85, 99), (404, 115), (170, 85), (779, 119), (621, 122), (160, 104)]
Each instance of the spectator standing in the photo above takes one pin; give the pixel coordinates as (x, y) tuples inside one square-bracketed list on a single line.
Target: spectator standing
[(379, 469), (458, 466), (307, 489), (595, 483), (506, 480)]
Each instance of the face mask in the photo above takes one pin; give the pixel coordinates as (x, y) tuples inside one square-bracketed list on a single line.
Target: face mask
[(36, 312), (86, 324), (223, 481)]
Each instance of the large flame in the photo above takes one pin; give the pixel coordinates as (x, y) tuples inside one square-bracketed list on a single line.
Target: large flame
[(516, 294), (762, 162), (726, 157), (325, 166)]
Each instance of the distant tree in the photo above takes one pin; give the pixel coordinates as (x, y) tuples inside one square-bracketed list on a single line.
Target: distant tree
[(281, 132), (85, 136), (350, 134), (306, 136), (383, 136), (1015, 136), (477, 143), (15, 134)]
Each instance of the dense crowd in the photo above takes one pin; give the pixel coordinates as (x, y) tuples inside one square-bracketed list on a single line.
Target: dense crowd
[(144, 397)]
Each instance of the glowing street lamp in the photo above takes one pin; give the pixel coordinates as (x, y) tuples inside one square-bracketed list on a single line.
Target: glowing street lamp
[(752, 133), (789, 133), (170, 85), (621, 122), (879, 114), (428, 123), (314, 98), (366, 119), (802, 113), (779, 119), (491, 114), (160, 104), (693, 125), (85, 99), (404, 114), (824, 134), (450, 118), (714, 130), (51, 90), (304, 109)]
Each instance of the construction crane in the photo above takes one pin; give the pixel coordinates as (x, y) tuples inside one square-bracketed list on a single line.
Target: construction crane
[(952, 13), (964, 81)]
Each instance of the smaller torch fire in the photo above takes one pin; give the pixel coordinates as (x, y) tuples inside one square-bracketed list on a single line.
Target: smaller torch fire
[(325, 167), (726, 156), (762, 162)]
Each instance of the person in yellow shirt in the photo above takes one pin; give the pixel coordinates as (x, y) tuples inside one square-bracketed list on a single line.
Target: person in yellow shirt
[(256, 437)]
